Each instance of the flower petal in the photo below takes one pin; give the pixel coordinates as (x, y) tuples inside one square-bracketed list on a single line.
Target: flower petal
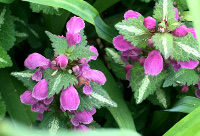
[(62, 60), (121, 44), (75, 24), (149, 23), (153, 64), (40, 116), (189, 65), (87, 89), (197, 93), (93, 49), (37, 76), (94, 75), (73, 38), (180, 31), (27, 98), (130, 14), (176, 13), (69, 99), (36, 60), (184, 88), (48, 101), (40, 90)]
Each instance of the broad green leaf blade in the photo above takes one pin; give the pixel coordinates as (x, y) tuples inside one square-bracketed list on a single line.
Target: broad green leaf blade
[(60, 45), (172, 24), (45, 9), (194, 7), (159, 98), (164, 9), (7, 31), (117, 64), (188, 126), (80, 52), (5, 60), (53, 122), (144, 85), (134, 31), (180, 48), (121, 113), (164, 43), (2, 108), (11, 90), (85, 11), (58, 80), (26, 78), (102, 5), (185, 104), (99, 98), (8, 129), (6, 1), (181, 77)]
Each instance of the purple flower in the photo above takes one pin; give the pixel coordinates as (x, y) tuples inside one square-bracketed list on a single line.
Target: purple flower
[(180, 31), (62, 60), (130, 14), (153, 64), (176, 13), (74, 25), (128, 70), (150, 23), (189, 65), (197, 93), (184, 88), (83, 117), (81, 128), (175, 64), (93, 49), (121, 44), (150, 42), (69, 99), (192, 30), (40, 91), (27, 98), (142, 60), (35, 60)]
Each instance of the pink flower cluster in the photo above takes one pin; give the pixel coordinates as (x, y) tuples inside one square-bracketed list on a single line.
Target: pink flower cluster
[(153, 63), (69, 97)]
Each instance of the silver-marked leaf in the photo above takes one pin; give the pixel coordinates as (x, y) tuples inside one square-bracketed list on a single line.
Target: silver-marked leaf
[(99, 98), (26, 78), (58, 80), (134, 31), (5, 60), (117, 64), (181, 77), (164, 8), (172, 24), (144, 85)]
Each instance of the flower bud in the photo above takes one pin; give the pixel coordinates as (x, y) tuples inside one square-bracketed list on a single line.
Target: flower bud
[(128, 67), (180, 31), (76, 69), (197, 93), (150, 42), (62, 60), (149, 23), (153, 64), (130, 14), (189, 65), (142, 60), (184, 88)]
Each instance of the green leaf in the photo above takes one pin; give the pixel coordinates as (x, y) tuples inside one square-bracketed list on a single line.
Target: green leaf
[(181, 77), (5, 60), (121, 113), (134, 31), (117, 64), (99, 98), (58, 80), (93, 125), (60, 45), (185, 104), (85, 11), (180, 48), (2, 14), (102, 5), (164, 8), (80, 52), (159, 98), (181, 5), (144, 85), (53, 122), (26, 78), (2, 108), (45, 9), (7, 31), (172, 24), (188, 126)]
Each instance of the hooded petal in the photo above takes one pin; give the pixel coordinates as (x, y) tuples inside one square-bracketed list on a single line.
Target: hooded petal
[(36, 60), (130, 14), (189, 65), (69, 99), (153, 64), (27, 98), (81, 128), (87, 89), (93, 49), (94, 75), (40, 90), (73, 38), (62, 60), (121, 44), (180, 31), (75, 24), (150, 23)]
